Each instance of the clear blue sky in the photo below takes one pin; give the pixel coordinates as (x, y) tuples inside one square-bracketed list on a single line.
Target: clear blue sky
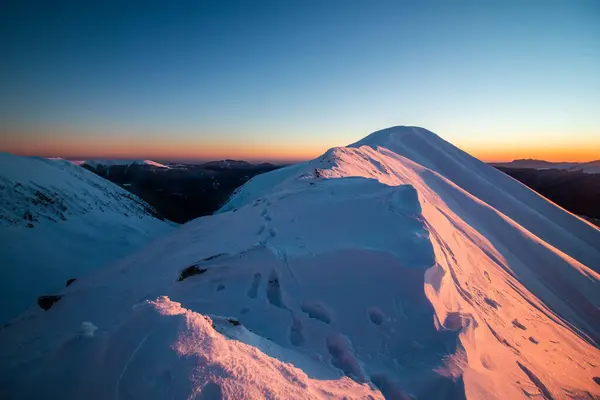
[(288, 79)]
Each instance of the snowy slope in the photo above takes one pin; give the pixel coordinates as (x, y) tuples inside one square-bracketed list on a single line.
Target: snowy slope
[(59, 221), (398, 266), (112, 163), (592, 167)]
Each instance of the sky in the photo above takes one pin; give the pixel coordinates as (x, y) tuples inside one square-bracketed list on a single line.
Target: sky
[(286, 80)]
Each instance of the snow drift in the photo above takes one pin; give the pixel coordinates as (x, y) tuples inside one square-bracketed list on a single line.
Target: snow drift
[(396, 267), (59, 221)]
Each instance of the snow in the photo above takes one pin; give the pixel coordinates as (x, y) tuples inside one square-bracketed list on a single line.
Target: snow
[(59, 221), (592, 167), (88, 329), (111, 163), (398, 266)]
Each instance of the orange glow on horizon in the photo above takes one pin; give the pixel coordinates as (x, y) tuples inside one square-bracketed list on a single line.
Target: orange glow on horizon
[(282, 151), (546, 153), (124, 149)]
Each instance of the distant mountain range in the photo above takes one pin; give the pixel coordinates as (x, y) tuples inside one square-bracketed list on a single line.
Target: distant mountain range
[(180, 192), (235, 164), (111, 163), (592, 167), (574, 186), (95, 163), (108, 163)]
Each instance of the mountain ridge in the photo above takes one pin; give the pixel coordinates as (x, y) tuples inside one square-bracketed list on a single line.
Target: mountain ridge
[(98, 163), (59, 221), (589, 167), (411, 270)]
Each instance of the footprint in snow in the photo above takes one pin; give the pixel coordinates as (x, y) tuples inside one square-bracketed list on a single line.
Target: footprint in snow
[(253, 291), (376, 316), (296, 334), (317, 311), (343, 358), (274, 291)]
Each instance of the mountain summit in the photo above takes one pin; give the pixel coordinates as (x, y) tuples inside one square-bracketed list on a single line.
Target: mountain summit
[(397, 267)]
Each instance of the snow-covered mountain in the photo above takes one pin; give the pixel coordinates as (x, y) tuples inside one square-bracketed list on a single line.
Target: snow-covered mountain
[(396, 267), (234, 164), (59, 221), (592, 167), (112, 163)]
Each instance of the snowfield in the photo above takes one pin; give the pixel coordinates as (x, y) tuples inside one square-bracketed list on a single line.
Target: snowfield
[(398, 267), (59, 221)]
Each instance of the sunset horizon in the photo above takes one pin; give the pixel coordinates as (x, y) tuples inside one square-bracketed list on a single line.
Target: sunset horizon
[(287, 82), (282, 152), (300, 199)]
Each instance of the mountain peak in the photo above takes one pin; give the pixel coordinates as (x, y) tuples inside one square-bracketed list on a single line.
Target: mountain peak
[(384, 137), (398, 257)]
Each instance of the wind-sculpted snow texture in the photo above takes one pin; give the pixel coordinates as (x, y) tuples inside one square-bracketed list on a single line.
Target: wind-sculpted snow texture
[(59, 221), (397, 267)]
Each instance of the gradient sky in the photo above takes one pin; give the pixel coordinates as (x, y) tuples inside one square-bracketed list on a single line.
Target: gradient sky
[(285, 80)]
